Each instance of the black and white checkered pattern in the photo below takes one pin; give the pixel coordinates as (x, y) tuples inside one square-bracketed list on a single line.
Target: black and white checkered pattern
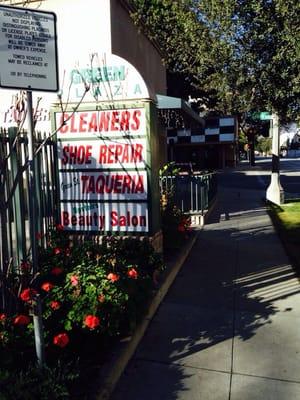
[(216, 130)]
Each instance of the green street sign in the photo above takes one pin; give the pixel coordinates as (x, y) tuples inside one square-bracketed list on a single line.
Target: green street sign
[(265, 116)]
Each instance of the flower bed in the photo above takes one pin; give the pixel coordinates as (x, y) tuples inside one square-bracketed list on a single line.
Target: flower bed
[(92, 295)]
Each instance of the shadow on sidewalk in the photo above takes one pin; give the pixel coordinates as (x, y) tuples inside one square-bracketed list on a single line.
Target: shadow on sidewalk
[(236, 282), (233, 283)]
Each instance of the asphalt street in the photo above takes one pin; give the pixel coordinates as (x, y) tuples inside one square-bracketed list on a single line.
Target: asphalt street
[(261, 175)]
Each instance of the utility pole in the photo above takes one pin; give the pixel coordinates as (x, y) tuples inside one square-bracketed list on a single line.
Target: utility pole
[(275, 192)]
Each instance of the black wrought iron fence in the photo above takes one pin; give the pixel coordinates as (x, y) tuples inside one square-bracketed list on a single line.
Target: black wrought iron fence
[(14, 195), (191, 193)]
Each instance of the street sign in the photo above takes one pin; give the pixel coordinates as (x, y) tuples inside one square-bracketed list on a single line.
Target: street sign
[(28, 49), (265, 116)]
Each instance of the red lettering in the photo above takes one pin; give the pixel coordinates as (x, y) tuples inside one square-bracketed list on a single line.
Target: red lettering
[(73, 125), (84, 180), (118, 183), (65, 151), (139, 188), (125, 158), (137, 153), (88, 154), (111, 153), (79, 155), (72, 156), (122, 221), (103, 154), (118, 151), (100, 184), (134, 220), (115, 121), (104, 121), (91, 186), (114, 218), (83, 122), (127, 183), (65, 218), (64, 127), (112, 183), (124, 123), (136, 120), (93, 123)]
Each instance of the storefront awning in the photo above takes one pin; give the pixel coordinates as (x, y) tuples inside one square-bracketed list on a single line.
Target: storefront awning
[(177, 111)]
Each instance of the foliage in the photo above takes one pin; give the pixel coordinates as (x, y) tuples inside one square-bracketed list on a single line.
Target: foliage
[(169, 169), (175, 224), (264, 145), (91, 293), (240, 55), (286, 220), (37, 383)]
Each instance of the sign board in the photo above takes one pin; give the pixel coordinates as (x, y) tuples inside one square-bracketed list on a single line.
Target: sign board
[(103, 178), (108, 217), (28, 49)]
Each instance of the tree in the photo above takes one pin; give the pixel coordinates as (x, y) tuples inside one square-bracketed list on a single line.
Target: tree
[(238, 55), (263, 145)]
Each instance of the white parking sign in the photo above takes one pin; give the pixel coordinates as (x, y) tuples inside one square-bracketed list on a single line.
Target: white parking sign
[(28, 49)]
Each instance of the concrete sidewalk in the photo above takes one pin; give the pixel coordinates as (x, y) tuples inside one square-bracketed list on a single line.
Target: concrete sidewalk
[(229, 327)]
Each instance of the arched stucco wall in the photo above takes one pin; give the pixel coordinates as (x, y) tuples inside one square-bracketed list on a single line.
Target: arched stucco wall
[(132, 45)]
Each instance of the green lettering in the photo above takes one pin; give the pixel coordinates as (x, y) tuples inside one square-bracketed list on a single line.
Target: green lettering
[(137, 89)]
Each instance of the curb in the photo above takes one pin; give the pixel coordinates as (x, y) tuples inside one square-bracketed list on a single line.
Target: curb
[(119, 361)]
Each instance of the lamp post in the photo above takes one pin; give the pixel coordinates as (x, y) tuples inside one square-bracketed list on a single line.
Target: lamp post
[(275, 192)]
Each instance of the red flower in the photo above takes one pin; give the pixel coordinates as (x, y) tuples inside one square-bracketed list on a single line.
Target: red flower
[(59, 227), (55, 305), (21, 320), (74, 280), (132, 273), (57, 250), (101, 298), (61, 340), (27, 294), (57, 271), (68, 252), (113, 277), (2, 317), (47, 286), (91, 321)]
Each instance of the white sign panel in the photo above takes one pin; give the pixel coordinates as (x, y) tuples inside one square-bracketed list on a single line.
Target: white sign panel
[(115, 185), (111, 217), (112, 123), (102, 154), (28, 50), (110, 78)]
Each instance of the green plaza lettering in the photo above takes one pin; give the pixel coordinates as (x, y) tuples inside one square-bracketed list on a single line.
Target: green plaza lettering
[(99, 74)]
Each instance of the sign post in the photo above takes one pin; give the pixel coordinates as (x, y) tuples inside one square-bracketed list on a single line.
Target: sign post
[(275, 192), (28, 61)]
